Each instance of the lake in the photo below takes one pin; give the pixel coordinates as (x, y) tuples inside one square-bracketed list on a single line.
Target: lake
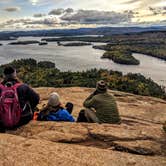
[(81, 58)]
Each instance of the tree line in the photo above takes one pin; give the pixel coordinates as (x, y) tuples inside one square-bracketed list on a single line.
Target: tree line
[(45, 74)]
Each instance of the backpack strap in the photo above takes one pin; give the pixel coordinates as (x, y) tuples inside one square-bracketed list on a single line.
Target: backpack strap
[(15, 86), (1, 88)]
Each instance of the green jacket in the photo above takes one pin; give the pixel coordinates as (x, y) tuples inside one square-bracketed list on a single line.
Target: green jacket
[(105, 106)]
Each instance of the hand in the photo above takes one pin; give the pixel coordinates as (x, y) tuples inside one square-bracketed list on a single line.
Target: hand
[(95, 92)]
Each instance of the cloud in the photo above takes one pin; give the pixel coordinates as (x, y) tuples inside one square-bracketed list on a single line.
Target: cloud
[(39, 15), (69, 18), (60, 11), (158, 10), (34, 2), (147, 3), (130, 2), (30, 22), (56, 11), (142, 4), (69, 10), (98, 17), (12, 9), (45, 21)]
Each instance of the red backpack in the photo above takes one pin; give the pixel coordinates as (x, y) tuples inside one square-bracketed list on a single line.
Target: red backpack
[(10, 110)]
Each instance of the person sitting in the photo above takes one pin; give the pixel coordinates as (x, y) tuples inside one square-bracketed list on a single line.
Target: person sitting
[(100, 107), (18, 100), (53, 111)]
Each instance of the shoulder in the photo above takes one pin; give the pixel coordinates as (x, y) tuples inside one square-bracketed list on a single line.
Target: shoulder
[(63, 111), (24, 86), (102, 96)]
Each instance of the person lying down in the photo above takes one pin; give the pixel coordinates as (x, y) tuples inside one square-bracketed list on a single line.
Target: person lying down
[(54, 111)]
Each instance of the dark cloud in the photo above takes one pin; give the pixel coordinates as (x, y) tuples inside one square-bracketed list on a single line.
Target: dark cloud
[(46, 21), (60, 11), (98, 17), (39, 15), (56, 11), (158, 10), (29, 22), (12, 9), (69, 10)]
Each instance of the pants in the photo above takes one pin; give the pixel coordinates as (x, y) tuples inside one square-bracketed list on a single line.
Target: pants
[(23, 121), (87, 115), (91, 116)]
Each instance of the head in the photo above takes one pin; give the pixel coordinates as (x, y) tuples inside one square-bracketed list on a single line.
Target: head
[(54, 99), (10, 73), (101, 86)]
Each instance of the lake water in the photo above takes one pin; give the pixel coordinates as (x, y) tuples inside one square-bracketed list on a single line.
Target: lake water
[(81, 58)]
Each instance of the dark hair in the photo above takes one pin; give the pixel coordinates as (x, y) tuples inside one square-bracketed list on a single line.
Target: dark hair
[(9, 70), (9, 75)]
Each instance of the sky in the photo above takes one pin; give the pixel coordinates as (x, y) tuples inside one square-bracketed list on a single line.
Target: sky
[(51, 14)]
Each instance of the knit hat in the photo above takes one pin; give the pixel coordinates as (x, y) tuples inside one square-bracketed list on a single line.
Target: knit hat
[(54, 99), (101, 86)]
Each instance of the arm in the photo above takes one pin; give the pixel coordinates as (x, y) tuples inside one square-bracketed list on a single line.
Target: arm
[(66, 116), (61, 115), (90, 101), (32, 97)]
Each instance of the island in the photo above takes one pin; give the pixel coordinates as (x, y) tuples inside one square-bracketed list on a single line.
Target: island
[(43, 43), (24, 42), (121, 57), (151, 43), (118, 54), (1, 44), (76, 38), (74, 44)]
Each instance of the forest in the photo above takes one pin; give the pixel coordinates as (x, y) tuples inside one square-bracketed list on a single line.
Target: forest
[(45, 74)]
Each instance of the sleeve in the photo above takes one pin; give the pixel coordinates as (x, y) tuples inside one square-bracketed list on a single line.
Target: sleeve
[(51, 117), (42, 115), (89, 102), (32, 97), (65, 116)]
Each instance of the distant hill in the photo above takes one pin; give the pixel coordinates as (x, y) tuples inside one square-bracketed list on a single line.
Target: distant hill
[(6, 35)]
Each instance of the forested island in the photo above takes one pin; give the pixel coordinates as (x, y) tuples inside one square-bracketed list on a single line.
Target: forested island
[(72, 44), (45, 74), (149, 43), (42, 43), (76, 38), (151, 49), (121, 57), (24, 42)]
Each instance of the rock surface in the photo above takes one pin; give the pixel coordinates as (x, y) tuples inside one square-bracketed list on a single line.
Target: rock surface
[(138, 141)]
